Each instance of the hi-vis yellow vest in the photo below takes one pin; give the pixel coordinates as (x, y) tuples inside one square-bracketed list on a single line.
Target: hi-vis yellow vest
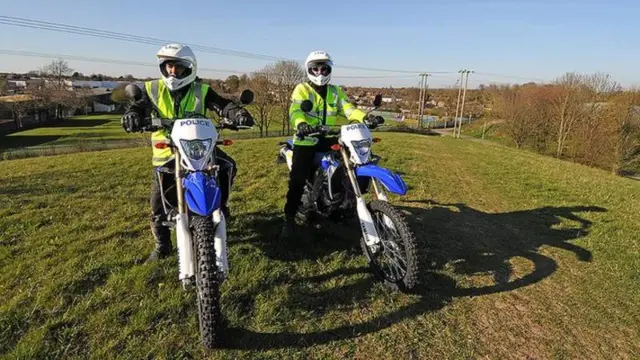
[(337, 104), (159, 94)]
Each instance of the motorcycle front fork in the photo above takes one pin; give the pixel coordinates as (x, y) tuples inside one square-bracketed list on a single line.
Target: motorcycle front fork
[(183, 233), (186, 246), (366, 220)]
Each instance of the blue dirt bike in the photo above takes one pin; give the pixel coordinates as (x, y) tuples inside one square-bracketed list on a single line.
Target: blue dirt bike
[(334, 191), (196, 212)]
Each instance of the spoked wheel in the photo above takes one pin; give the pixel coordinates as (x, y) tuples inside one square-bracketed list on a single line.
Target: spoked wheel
[(394, 260), (207, 282)]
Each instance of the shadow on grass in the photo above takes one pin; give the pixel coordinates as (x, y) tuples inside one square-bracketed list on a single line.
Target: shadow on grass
[(79, 123), (451, 238), (22, 141)]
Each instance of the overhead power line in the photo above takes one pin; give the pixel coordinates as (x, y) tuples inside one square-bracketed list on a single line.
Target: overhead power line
[(138, 63), (105, 34), (100, 60)]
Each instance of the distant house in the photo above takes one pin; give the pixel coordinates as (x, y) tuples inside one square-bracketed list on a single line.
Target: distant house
[(20, 86), (101, 101), (88, 84)]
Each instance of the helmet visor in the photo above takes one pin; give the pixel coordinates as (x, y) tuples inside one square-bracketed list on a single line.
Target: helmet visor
[(175, 67), (319, 68)]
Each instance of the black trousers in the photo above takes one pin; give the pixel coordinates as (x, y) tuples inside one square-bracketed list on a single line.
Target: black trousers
[(225, 176), (302, 168)]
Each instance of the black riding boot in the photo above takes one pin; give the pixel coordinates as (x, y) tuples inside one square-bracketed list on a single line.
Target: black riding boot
[(162, 235)]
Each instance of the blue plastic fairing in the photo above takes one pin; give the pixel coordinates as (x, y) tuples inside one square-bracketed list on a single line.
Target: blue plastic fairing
[(202, 194), (392, 181)]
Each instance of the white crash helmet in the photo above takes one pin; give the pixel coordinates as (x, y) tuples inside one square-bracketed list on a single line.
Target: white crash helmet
[(184, 56), (315, 59)]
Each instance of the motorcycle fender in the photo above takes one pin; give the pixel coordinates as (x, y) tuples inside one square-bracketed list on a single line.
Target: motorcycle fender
[(391, 181), (201, 193)]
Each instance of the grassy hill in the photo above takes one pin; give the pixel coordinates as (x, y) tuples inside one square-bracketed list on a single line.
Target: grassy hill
[(524, 257), (83, 133), (101, 132)]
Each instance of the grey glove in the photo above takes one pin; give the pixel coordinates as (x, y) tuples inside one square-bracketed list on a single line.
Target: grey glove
[(131, 122), (304, 129)]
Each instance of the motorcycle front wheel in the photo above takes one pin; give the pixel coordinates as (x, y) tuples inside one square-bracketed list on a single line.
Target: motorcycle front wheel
[(395, 261), (207, 282)]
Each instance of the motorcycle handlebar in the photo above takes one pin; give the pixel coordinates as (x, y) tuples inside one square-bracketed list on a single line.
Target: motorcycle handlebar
[(156, 124), (318, 131)]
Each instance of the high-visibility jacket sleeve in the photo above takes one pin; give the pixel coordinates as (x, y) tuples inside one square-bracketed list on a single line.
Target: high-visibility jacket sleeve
[(296, 115), (347, 109)]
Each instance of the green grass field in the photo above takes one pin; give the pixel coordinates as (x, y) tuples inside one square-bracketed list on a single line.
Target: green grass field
[(103, 128), (523, 256), (86, 133)]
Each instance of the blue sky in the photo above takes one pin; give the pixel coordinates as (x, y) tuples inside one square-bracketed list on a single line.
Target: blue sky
[(526, 39)]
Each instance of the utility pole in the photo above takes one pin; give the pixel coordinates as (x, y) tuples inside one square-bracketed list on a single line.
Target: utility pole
[(425, 85), (420, 101), (464, 93), (423, 97), (455, 119)]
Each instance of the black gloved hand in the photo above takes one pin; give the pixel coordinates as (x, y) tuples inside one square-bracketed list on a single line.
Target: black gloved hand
[(373, 121), (131, 122), (244, 118), (304, 129), (237, 116)]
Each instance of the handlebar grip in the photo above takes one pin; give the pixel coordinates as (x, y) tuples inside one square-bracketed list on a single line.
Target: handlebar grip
[(319, 131), (151, 128), (302, 135)]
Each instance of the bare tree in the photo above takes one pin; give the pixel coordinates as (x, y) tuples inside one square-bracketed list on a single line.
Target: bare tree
[(582, 112), (260, 82), (618, 144), (58, 70), (285, 76), (517, 109), (543, 132), (568, 107)]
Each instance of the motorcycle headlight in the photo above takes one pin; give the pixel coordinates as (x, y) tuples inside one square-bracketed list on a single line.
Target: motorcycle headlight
[(362, 147), (196, 149)]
